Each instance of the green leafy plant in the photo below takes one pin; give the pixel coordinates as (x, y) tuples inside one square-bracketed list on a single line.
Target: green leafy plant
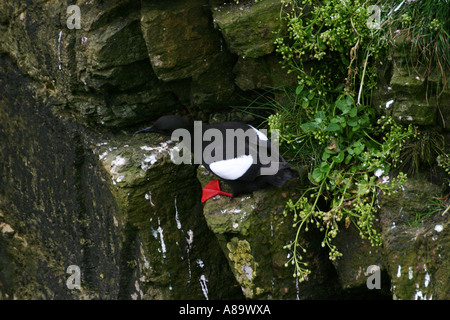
[(424, 28), (329, 125), (352, 168), (335, 33), (444, 161)]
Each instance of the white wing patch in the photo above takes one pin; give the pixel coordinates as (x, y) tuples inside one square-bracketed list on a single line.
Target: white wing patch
[(261, 135), (232, 169)]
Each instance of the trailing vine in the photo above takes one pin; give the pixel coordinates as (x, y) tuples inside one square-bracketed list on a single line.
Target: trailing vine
[(330, 126)]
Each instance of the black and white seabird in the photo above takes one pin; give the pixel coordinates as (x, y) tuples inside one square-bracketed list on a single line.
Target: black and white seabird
[(238, 169)]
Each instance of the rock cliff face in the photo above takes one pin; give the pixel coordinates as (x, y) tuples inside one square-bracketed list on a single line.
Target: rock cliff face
[(77, 187)]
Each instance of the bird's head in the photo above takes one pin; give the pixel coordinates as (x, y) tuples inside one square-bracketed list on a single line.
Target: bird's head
[(166, 125)]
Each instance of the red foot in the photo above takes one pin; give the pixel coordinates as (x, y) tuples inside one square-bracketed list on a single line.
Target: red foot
[(213, 189)]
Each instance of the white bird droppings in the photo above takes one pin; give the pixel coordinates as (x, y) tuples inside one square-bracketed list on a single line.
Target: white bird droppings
[(204, 286)]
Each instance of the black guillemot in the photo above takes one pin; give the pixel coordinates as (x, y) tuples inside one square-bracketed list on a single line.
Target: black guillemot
[(245, 165)]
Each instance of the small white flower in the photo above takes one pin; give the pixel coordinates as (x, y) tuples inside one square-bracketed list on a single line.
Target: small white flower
[(379, 172)]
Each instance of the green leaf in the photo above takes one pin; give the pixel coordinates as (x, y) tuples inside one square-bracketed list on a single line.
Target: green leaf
[(299, 89), (348, 158), (309, 126), (363, 189), (320, 115), (325, 167), (342, 121), (339, 158), (358, 147), (335, 119), (343, 106), (333, 127), (353, 122), (305, 103), (349, 100), (365, 119), (353, 112), (317, 175)]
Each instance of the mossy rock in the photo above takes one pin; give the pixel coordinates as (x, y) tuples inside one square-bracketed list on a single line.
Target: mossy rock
[(250, 28), (415, 254), (419, 112), (357, 255), (405, 98), (180, 38), (261, 73), (173, 247), (252, 232)]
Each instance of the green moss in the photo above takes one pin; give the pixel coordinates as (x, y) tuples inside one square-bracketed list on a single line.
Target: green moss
[(244, 265), (419, 112), (251, 28)]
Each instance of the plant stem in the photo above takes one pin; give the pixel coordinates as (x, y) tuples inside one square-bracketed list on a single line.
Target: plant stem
[(358, 102), (445, 211)]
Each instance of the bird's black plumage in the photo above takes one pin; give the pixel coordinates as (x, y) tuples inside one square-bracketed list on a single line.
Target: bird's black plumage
[(252, 178)]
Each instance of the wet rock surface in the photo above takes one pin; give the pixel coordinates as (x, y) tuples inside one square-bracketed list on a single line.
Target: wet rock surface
[(411, 95), (414, 252), (252, 231), (77, 187)]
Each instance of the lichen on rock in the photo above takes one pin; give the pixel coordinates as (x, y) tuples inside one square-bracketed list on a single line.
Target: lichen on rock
[(252, 232), (244, 265)]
